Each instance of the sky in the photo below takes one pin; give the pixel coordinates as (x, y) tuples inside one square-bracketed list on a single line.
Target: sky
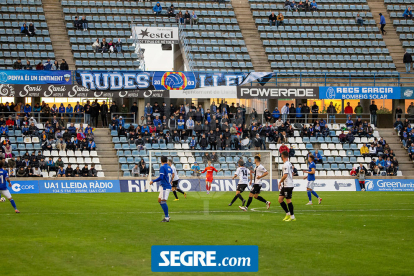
[(156, 59)]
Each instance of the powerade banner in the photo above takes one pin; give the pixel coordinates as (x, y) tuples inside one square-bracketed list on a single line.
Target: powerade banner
[(77, 185), (357, 93), (24, 187), (326, 185), (161, 80), (389, 185), (193, 185), (70, 91), (35, 77), (267, 92), (204, 258)]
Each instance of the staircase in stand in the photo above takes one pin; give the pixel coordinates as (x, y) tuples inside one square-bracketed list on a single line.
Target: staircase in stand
[(57, 31), (106, 152), (251, 36)]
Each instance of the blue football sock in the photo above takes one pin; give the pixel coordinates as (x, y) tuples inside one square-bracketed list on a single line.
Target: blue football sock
[(309, 195), (13, 204), (164, 207), (315, 194)]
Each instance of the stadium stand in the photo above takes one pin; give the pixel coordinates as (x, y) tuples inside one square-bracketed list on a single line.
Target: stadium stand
[(404, 27), (337, 44), (14, 44)]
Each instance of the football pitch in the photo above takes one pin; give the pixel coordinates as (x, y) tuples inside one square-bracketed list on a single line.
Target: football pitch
[(351, 233)]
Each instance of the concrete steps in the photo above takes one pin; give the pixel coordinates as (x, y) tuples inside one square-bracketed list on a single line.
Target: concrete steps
[(107, 153), (57, 31), (251, 36), (391, 39)]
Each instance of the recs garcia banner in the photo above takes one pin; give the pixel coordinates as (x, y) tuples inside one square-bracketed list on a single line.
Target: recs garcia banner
[(359, 93), (70, 91), (160, 80), (265, 92), (35, 77)]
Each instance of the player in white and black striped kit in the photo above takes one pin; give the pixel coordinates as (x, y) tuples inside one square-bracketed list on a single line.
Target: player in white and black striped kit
[(256, 179), (286, 188), (174, 181), (243, 174)]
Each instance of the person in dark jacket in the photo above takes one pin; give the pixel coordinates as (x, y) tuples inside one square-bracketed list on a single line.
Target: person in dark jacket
[(24, 29), (104, 114), (272, 19), (85, 171), (64, 65), (77, 24), (32, 30), (292, 112), (18, 65), (69, 171), (92, 172), (134, 109), (305, 112), (28, 66), (407, 59)]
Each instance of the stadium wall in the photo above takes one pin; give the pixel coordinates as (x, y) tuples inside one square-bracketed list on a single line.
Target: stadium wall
[(194, 185)]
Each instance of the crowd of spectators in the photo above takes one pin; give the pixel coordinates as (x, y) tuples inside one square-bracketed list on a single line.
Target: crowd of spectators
[(28, 30), (301, 6), (48, 65), (180, 17), (107, 47)]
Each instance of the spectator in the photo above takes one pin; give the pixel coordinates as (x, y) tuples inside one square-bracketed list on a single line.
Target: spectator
[(18, 65), (157, 8), (179, 18), (350, 137), (331, 110), (359, 110), (96, 45), (85, 171), (294, 6), (280, 19), (32, 30), (92, 172), (84, 23), (411, 151), (285, 112), (314, 6), (171, 11), (77, 24), (64, 65), (77, 172), (61, 172), (135, 170), (299, 114), (272, 19), (382, 23), (40, 66), (301, 6), (283, 148), (361, 172), (318, 157), (21, 172), (187, 18), (118, 46), (364, 150), (47, 65), (288, 6), (407, 60), (143, 170), (349, 123), (28, 66), (380, 163), (195, 169), (104, 46), (373, 111), (24, 29), (194, 19), (307, 5), (55, 65), (111, 47), (359, 20), (348, 110), (69, 171), (408, 14), (391, 170), (342, 137)]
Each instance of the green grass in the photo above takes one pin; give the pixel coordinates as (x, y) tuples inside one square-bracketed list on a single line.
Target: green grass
[(351, 233)]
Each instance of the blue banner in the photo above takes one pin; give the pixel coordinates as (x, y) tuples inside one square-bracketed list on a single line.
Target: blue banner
[(203, 258), (78, 185), (193, 185), (407, 92), (35, 77), (359, 93), (24, 187), (161, 80), (388, 185)]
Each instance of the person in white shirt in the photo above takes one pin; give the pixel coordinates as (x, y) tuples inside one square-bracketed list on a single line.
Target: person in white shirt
[(285, 112), (243, 174), (286, 188), (174, 181), (135, 170), (256, 179)]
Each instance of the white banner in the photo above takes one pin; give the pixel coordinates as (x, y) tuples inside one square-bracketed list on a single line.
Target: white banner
[(156, 35), (327, 185), (228, 92)]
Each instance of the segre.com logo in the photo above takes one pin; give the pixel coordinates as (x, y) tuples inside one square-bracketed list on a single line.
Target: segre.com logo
[(203, 258)]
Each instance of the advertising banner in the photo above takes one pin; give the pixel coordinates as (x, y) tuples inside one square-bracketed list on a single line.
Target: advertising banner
[(407, 92), (204, 258), (193, 185), (77, 185), (228, 92), (389, 185), (359, 93), (326, 185), (257, 92), (156, 35), (24, 187), (70, 91), (161, 80), (35, 77)]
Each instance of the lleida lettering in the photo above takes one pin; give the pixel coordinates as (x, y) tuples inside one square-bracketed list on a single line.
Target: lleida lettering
[(78, 186)]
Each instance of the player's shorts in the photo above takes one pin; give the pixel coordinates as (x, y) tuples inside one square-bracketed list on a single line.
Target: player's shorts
[(209, 179), (286, 192), (256, 189), (310, 185), (174, 184), (164, 193), (241, 187), (362, 182), (6, 193)]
